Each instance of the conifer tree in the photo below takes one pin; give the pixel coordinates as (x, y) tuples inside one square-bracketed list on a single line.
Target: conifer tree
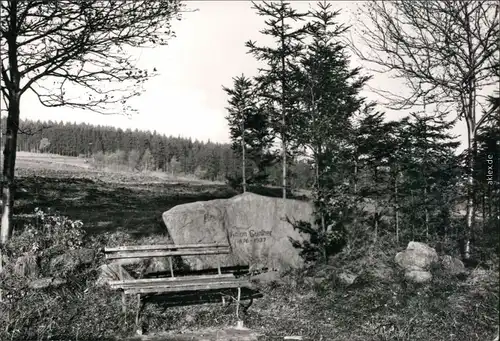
[(374, 146), (329, 98), (430, 174), (277, 82), (241, 107), (249, 130), (329, 86)]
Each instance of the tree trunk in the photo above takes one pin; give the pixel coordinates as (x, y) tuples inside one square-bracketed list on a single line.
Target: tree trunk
[(243, 170), (426, 215), (470, 214), (396, 206), (9, 161), (316, 175), (413, 215), (9, 164), (483, 206), (283, 108), (355, 177)]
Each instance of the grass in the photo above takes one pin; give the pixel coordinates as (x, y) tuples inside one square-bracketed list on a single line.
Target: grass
[(105, 201)]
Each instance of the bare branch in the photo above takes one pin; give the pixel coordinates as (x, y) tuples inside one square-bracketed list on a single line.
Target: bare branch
[(446, 51), (80, 48)]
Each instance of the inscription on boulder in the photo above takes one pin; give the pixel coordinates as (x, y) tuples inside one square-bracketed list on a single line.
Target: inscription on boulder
[(251, 236)]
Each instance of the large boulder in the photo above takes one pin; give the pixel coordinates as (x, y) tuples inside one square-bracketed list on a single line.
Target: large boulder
[(255, 227)]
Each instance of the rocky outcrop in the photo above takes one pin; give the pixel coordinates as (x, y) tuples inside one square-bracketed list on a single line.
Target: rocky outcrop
[(255, 226)]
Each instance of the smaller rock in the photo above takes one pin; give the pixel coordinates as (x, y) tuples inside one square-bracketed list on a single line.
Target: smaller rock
[(452, 265), (267, 277), (189, 318), (26, 265), (418, 276), (347, 278), (314, 280), (417, 256), (71, 260), (112, 272), (46, 282), (422, 248)]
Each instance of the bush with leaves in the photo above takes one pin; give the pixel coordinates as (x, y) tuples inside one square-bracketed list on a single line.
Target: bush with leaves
[(50, 235), (76, 309)]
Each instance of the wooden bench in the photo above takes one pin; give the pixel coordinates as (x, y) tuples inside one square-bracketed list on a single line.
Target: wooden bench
[(148, 286)]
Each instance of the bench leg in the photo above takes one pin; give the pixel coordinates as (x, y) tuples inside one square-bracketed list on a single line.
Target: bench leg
[(140, 305), (124, 303), (246, 307), (238, 303)]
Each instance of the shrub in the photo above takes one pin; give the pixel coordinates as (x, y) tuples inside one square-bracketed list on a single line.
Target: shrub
[(77, 309), (49, 235)]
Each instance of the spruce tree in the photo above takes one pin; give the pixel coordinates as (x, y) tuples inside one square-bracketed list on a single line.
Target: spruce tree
[(374, 146), (430, 174), (241, 106), (249, 130), (329, 87), (329, 92), (277, 81)]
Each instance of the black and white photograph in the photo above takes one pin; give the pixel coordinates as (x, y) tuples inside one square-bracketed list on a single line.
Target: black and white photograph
[(237, 170)]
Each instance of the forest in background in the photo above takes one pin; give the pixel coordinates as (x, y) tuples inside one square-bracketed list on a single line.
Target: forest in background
[(136, 150)]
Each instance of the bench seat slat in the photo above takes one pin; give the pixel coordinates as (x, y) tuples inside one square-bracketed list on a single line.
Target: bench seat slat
[(167, 284), (168, 280), (166, 253), (190, 287), (164, 247)]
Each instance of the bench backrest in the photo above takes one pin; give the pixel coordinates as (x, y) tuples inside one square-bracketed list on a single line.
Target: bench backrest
[(166, 250)]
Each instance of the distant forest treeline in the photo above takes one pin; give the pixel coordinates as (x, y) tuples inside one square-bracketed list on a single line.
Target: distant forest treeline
[(143, 150)]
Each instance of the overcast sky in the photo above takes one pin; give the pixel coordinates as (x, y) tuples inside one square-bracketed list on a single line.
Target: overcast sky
[(187, 99)]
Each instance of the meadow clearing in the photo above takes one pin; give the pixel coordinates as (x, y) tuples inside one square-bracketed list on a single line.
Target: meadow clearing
[(104, 200)]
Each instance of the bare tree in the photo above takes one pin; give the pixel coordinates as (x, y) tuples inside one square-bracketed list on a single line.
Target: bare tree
[(446, 51), (73, 53)]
